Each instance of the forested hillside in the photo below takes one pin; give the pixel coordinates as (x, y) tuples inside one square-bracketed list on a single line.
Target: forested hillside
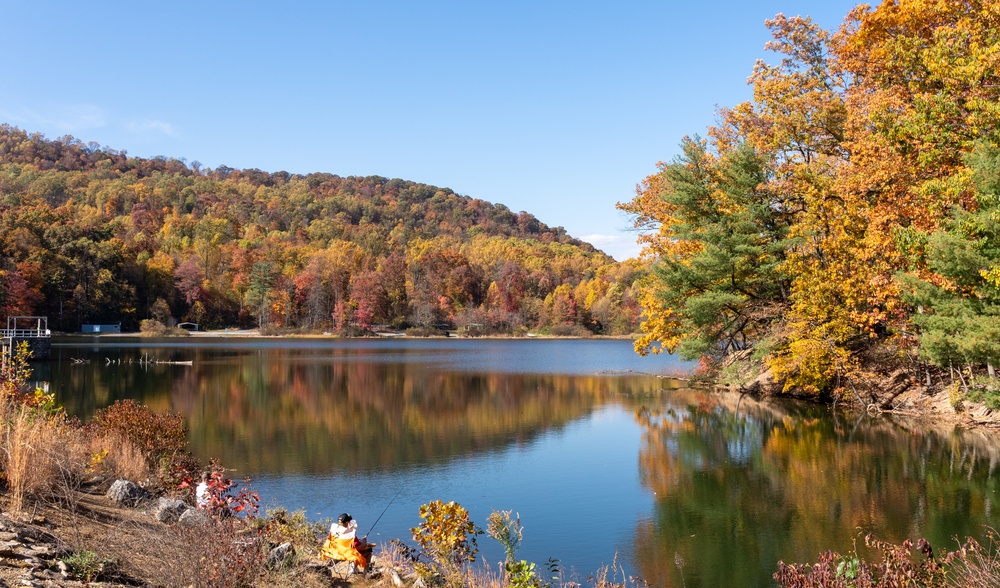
[(845, 222), (88, 234)]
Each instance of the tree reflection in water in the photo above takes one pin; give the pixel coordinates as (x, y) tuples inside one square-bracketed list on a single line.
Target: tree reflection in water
[(741, 484)]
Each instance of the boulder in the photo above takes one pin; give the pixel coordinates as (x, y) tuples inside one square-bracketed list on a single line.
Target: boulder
[(280, 555), (193, 517), (169, 510), (125, 493), (396, 580)]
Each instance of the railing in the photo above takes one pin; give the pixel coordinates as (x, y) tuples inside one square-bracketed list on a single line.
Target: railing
[(25, 333)]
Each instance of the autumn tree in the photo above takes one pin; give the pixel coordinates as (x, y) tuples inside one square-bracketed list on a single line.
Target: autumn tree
[(370, 300), (957, 297), (716, 283), (863, 138)]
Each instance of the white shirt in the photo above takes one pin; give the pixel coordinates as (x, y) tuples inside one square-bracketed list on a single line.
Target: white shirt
[(344, 532), (201, 495)]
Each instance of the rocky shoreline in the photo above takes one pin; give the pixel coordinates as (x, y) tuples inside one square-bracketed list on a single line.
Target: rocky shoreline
[(32, 556), (896, 393), (115, 539)]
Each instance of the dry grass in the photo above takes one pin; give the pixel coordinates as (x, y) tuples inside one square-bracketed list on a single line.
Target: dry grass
[(614, 576), (223, 553), (118, 457), (42, 455), (390, 558), (228, 552), (979, 565), (486, 577)]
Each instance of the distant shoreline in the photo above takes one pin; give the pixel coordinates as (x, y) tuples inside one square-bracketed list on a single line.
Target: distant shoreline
[(247, 333)]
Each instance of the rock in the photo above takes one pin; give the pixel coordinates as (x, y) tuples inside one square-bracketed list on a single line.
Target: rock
[(280, 555), (193, 517), (48, 575), (8, 551), (35, 535), (169, 510), (40, 550), (125, 493), (396, 580)]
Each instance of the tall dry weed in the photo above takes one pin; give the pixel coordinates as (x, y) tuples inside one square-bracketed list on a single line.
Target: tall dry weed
[(42, 455), (486, 577), (614, 576), (394, 556), (978, 565), (118, 457), (225, 553)]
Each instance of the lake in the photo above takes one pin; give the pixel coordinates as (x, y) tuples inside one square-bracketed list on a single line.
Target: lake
[(604, 457)]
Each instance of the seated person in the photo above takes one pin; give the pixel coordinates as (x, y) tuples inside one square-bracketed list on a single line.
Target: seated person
[(203, 498), (343, 544)]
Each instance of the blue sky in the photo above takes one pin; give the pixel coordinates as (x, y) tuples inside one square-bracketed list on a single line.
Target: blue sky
[(557, 108)]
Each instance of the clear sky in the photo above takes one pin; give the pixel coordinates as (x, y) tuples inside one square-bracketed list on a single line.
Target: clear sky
[(556, 108)]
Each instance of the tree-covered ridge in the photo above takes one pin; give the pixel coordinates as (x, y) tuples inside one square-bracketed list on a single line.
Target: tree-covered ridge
[(88, 234), (846, 213)]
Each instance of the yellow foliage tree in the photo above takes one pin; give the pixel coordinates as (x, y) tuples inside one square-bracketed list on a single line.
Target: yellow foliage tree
[(865, 133)]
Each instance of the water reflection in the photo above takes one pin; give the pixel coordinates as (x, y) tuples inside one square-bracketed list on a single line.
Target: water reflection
[(776, 481), (320, 407), (323, 418), (691, 489)]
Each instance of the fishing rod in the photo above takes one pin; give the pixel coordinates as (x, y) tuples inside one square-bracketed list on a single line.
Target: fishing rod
[(383, 512)]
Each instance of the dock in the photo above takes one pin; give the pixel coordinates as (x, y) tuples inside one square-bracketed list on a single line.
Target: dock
[(33, 330)]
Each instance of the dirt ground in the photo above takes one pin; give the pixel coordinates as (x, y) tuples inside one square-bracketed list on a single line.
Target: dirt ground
[(86, 523), (139, 550)]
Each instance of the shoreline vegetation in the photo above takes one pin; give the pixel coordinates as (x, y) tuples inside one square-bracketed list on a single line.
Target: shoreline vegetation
[(256, 333), (838, 232)]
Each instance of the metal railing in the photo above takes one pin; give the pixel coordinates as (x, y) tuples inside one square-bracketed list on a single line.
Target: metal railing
[(25, 333)]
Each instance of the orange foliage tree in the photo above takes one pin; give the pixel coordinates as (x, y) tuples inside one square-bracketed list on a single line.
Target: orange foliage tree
[(865, 134)]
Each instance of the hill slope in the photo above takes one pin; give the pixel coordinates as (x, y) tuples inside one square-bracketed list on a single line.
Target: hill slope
[(89, 234)]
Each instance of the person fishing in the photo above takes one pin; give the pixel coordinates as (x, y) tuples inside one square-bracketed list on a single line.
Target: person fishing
[(343, 544)]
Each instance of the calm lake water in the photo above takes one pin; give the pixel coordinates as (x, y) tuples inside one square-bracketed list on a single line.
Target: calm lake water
[(601, 455)]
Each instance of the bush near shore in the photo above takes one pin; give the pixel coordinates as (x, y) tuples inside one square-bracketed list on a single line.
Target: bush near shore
[(54, 465)]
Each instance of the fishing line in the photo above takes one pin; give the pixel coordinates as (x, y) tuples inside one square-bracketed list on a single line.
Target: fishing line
[(383, 512)]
